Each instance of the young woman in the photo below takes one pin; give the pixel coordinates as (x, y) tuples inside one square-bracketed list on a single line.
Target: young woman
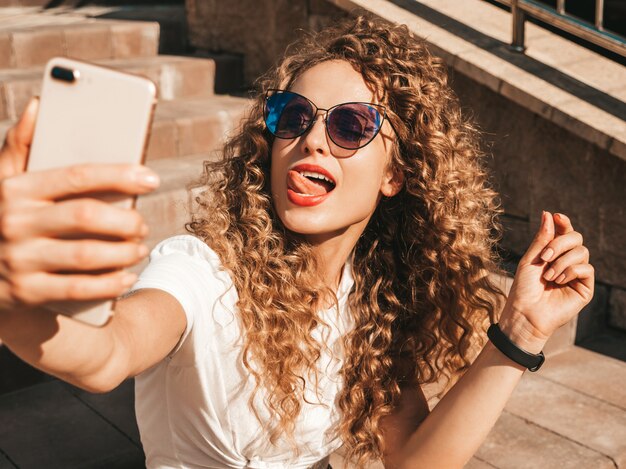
[(340, 261)]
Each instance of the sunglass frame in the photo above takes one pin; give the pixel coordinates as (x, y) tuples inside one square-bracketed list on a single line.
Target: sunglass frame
[(378, 107)]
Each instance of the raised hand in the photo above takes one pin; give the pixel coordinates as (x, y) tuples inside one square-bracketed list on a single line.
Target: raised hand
[(553, 282), (41, 257)]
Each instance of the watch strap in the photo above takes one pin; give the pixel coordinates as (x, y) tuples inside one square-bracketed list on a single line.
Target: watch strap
[(530, 360)]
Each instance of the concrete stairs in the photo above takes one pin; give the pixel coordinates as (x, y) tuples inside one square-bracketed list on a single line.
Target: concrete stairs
[(570, 414)]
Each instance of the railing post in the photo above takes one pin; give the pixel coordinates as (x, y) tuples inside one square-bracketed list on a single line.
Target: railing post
[(600, 14), (519, 17)]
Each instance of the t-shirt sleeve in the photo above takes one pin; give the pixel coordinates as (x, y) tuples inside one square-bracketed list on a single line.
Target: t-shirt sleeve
[(186, 268)]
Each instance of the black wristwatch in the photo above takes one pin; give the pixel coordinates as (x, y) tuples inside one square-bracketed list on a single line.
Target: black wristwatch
[(530, 360)]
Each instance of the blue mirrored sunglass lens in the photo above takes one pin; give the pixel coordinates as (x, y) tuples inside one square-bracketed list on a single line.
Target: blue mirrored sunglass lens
[(287, 114)]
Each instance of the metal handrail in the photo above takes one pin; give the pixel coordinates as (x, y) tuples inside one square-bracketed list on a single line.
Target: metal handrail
[(594, 33)]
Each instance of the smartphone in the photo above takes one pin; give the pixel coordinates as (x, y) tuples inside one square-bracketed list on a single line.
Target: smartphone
[(91, 114)]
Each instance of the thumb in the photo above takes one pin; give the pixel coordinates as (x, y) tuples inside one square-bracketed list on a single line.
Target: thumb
[(544, 235), (18, 140), (25, 127)]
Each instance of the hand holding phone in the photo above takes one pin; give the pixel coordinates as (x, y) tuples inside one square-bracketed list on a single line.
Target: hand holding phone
[(62, 244)]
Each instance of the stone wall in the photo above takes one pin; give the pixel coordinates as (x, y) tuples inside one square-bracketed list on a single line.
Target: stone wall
[(258, 29), (537, 166)]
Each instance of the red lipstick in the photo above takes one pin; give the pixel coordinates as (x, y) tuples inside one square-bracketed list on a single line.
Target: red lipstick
[(308, 200)]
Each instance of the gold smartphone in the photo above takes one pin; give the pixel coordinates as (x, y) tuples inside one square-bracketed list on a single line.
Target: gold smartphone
[(91, 114)]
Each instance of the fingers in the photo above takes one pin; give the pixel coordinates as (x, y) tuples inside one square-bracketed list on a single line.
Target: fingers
[(558, 270), (564, 250), (562, 224), (544, 235), (41, 287), (584, 281), (560, 245), (571, 272), (568, 259), (52, 255), (77, 216), (17, 141), (79, 179), (25, 127), (581, 278)]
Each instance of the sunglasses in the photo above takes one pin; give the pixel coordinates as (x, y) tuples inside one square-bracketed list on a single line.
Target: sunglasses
[(349, 125)]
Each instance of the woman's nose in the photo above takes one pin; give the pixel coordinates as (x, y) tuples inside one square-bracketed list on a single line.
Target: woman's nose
[(315, 139)]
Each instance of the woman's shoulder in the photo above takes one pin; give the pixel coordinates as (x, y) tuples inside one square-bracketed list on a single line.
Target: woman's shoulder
[(190, 260), (186, 245)]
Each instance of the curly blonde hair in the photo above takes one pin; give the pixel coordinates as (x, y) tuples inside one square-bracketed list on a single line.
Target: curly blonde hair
[(422, 293)]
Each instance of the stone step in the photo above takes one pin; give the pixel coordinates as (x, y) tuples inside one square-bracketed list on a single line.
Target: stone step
[(30, 40), (186, 127), (571, 413), (56, 425), (23, 3), (176, 77), (517, 443), (172, 20), (193, 126), (228, 71)]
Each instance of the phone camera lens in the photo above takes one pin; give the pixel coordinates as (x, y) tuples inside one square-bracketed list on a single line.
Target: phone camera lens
[(65, 74)]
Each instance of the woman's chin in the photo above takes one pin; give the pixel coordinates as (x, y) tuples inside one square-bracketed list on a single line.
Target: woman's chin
[(306, 223), (307, 228), (321, 230), (321, 221)]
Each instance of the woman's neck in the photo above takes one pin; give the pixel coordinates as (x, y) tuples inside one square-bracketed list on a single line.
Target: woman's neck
[(332, 251)]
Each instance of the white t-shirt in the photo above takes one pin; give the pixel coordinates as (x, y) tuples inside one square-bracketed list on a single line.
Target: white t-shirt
[(192, 407)]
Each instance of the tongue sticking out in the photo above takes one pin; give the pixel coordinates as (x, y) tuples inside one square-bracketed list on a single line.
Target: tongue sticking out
[(303, 185)]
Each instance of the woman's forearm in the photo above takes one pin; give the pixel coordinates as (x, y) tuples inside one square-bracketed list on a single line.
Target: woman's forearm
[(70, 350), (460, 422)]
